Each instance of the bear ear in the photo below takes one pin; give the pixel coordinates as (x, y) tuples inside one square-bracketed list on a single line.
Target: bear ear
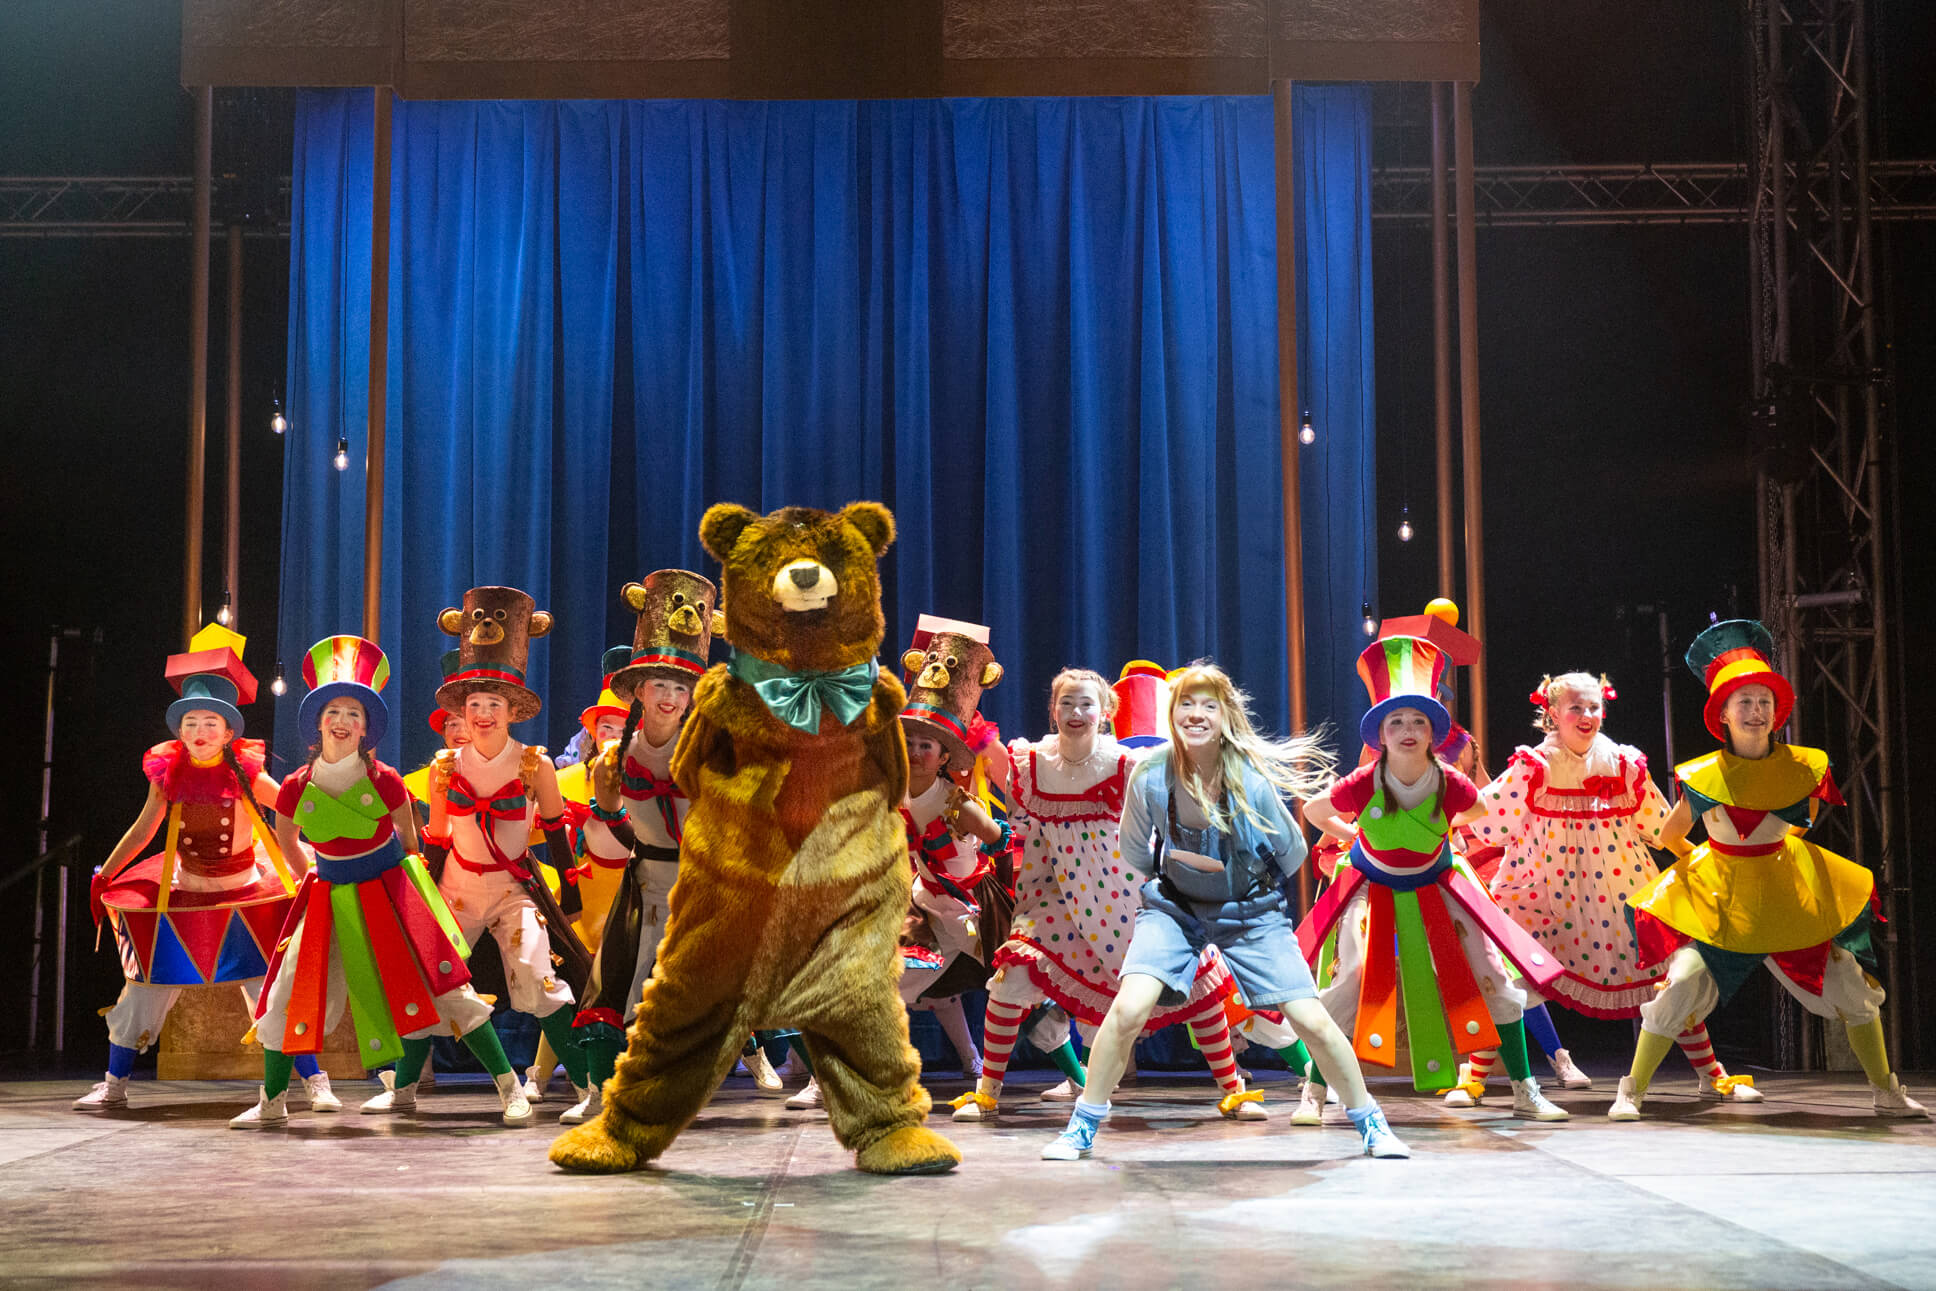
[(990, 674), (875, 522), (912, 660), (633, 594), (451, 622), (719, 625), (721, 527), (540, 623)]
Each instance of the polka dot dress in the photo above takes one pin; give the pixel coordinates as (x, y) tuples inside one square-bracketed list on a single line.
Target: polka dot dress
[(1575, 832), (1075, 900)]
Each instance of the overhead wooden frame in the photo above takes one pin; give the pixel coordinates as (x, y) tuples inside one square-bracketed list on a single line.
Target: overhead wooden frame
[(823, 49)]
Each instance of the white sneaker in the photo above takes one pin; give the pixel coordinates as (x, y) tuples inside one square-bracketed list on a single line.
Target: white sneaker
[(1244, 1106), (1461, 1094), (981, 1103), (321, 1097), (1626, 1102), (268, 1113), (1530, 1104), (790, 1069), (808, 1099), (517, 1107), (109, 1094), (534, 1085), (1067, 1092), (1564, 1071), (394, 1098), (1894, 1101), (1310, 1106), (1731, 1089), (586, 1108), (765, 1080)]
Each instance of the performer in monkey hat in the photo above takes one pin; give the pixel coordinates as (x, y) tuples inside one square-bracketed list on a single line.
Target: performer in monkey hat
[(483, 799)]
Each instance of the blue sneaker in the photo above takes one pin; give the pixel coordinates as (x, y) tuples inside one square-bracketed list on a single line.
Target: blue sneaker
[(1378, 1136), (1074, 1143)]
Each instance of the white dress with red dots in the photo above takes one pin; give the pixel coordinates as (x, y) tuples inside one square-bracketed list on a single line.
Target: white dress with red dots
[(1576, 832), (1075, 900)]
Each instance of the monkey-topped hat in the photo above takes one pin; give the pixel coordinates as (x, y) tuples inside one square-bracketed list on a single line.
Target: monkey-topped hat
[(1732, 654), (346, 665), (493, 631), (210, 677), (674, 636), (949, 676)]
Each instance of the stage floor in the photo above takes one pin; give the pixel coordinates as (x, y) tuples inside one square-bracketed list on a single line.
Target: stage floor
[(1806, 1190)]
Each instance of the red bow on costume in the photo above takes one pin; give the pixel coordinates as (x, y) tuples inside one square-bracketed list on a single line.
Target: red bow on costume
[(641, 785), (507, 804)]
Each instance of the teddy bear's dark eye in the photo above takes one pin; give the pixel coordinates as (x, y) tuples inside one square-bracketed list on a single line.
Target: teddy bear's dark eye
[(477, 614), (498, 615), (952, 662), (678, 598)]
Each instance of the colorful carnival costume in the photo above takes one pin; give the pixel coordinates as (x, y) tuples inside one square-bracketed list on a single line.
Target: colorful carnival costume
[(207, 908), (1074, 904), (671, 641), (959, 907), (368, 930), (489, 802), (1402, 887), (1756, 893)]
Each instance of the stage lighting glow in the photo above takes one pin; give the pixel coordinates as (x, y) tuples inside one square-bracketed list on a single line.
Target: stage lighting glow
[(1370, 624), (224, 614), (278, 422), (342, 454), (1306, 432), (278, 686), (1405, 524)]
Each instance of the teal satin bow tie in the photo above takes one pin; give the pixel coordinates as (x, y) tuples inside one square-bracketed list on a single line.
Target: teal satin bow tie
[(796, 698)]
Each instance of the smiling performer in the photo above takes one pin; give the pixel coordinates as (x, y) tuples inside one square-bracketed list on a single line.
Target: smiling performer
[(639, 806), (369, 929), (1755, 893), (1074, 900), (206, 908), (483, 797), (1205, 826), (1401, 889)]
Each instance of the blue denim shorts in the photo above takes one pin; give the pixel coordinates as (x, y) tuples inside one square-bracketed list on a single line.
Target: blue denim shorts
[(1255, 938)]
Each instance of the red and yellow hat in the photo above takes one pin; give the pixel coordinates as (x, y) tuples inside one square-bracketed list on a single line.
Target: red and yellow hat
[(608, 705), (1142, 716), (1732, 654), (351, 666)]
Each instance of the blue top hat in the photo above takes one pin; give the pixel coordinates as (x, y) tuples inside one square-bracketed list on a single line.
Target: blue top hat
[(207, 693)]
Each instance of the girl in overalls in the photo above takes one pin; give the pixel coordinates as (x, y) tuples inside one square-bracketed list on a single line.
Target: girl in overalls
[(1204, 824)]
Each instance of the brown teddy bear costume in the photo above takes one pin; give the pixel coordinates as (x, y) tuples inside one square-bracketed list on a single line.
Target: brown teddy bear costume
[(793, 865)]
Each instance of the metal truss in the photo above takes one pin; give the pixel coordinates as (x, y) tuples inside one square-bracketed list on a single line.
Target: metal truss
[(96, 206), (1684, 193), (1827, 513)]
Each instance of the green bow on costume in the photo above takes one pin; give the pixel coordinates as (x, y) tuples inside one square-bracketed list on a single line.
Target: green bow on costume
[(796, 698)]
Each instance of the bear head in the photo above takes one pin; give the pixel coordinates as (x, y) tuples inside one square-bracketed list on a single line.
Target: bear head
[(802, 587)]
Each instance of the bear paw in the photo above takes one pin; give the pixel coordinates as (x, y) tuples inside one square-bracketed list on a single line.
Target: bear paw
[(592, 1148), (912, 1149)]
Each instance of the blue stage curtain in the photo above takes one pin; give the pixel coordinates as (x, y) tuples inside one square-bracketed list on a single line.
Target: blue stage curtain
[(1042, 331)]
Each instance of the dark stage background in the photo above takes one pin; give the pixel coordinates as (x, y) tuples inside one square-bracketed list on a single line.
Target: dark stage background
[(1613, 366)]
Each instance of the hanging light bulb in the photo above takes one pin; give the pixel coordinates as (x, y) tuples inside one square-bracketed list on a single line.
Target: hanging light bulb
[(1306, 432), (1370, 624), (277, 422), (1404, 524), (342, 453), (278, 686), (224, 614)]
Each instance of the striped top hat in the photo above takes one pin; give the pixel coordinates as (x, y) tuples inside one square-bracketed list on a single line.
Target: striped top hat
[(210, 678), (949, 676), (1732, 654), (674, 637), (494, 631), (345, 665), (1142, 716), (1402, 672)]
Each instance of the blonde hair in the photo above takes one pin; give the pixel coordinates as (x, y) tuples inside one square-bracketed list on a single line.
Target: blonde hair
[(1567, 683), (1105, 694), (1299, 767)]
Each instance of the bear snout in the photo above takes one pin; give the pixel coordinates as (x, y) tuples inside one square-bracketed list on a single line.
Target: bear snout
[(804, 585), (934, 677), (487, 632)]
